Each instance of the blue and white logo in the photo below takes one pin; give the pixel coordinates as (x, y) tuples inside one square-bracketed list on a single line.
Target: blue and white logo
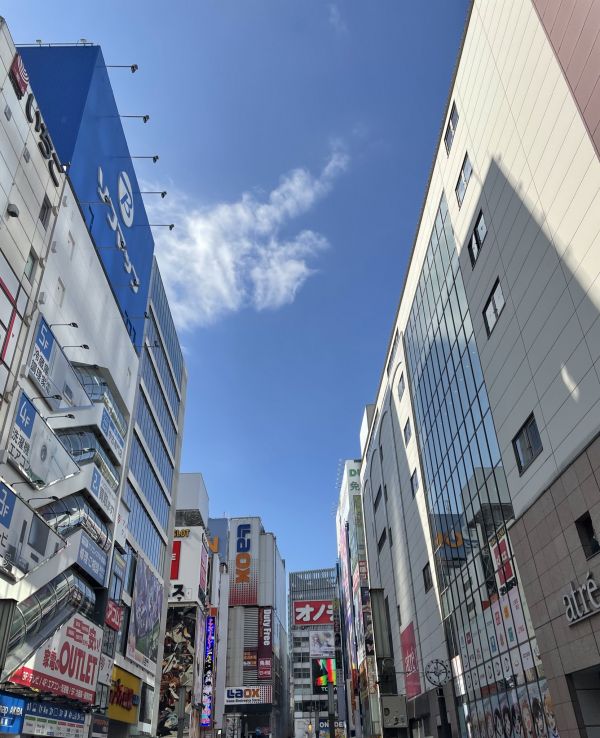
[(125, 199), (7, 505), (25, 415), (44, 339)]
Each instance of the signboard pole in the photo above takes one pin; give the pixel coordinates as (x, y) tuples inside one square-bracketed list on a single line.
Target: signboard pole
[(331, 709)]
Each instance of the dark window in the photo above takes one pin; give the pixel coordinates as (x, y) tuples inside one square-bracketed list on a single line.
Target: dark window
[(377, 499), (493, 308), (451, 128), (45, 211), (587, 535), (390, 537), (30, 265), (414, 482), (465, 175), (477, 238), (427, 580), (407, 432), (380, 453), (381, 541), (109, 642), (385, 497), (401, 386), (527, 444)]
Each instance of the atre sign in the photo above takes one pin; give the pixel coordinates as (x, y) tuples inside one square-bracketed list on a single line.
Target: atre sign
[(262, 695), (582, 602)]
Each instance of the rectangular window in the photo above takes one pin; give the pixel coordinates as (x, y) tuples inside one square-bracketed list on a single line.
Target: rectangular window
[(527, 444), (30, 266), (390, 537), (380, 453), (377, 499), (427, 580), (477, 238), (414, 482), (45, 211), (407, 432), (493, 308), (401, 386), (465, 175), (385, 497), (587, 535), (451, 128), (381, 541)]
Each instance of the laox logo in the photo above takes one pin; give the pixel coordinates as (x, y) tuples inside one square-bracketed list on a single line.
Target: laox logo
[(243, 558), (248, 693)]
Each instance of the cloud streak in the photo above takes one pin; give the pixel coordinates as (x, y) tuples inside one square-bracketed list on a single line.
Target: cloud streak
[(234, 255)]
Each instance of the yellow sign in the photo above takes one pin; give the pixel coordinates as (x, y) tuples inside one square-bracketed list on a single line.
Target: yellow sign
[(124, 699), (182, 533)]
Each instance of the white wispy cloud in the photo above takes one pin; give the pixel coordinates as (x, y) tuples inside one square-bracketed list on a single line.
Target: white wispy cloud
[(233, 255), (336, 20)]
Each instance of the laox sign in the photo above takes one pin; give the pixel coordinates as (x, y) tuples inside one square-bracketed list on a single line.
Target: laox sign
[(243, 559), (248, 693)]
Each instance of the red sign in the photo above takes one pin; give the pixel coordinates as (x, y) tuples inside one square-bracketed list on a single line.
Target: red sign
[(18, 76), (67, 664), (504, 570), (265, 668), (265, 632), (175, 558), (412, 678), (313, 612), (114, 615)]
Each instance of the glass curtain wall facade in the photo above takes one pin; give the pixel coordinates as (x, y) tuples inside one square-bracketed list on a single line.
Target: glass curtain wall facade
[(498, 679)]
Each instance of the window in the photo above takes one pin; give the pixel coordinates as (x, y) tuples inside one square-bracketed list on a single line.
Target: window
[(414, 482), (451, 128), (385, 497), (381, 541), (407, 432), (465, 175), (377, 499), (390, 537), (493, 308), (30, 265), (527, 444), (427, 580), (401, 386), (380, 453), (587, 535), (477, 238), (45, 211)]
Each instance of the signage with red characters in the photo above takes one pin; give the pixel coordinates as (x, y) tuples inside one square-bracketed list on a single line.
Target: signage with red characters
[(313, 612), (18, 76), (411, 662), (114, 615)]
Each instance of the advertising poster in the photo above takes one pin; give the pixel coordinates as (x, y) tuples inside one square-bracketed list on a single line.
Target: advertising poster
[(206, 714), (505, 573), (178, 656), (249, 659), (323, 673), (124, 698), (12, 710), (201, 626), (99, 727), (186, 564), (244, 557), (518, 616), (42, 718), (25, 537), (203, 567), (313, 612), (322, 644), (34, 449), (144, 626), (412, 678), (264, 652), (51, 668), (52, 373)]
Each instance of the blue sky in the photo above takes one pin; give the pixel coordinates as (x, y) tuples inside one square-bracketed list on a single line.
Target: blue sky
[(295, 140)]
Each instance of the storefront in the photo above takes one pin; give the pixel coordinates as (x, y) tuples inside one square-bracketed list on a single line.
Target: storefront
[(124, 701)]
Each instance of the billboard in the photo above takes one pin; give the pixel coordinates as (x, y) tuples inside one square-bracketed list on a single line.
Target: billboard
[(104, 493), (25, 537), (243, 587), (178, 655), (207, 674), (313, 612), (323, 673), (67, 663), (218, 537), (321, 644), (11, 714), (92, 559), (124, 698), (265, 643), (52, 373), (262, 695), (144, 626), (42, 718), (188, 573), (412, 678), (34, 449), (73, 89)]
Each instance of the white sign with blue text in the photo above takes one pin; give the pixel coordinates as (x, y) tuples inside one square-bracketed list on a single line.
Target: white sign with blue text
[(112, 435)]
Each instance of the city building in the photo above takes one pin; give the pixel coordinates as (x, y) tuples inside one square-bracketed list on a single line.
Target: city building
[(480, 456), (92, 408), (316, 653), (256, 681), (358, 653)]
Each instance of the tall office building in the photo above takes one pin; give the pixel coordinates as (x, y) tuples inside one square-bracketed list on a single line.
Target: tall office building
[(92, 423), (316, 652), (256, 681), (480, 459)]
